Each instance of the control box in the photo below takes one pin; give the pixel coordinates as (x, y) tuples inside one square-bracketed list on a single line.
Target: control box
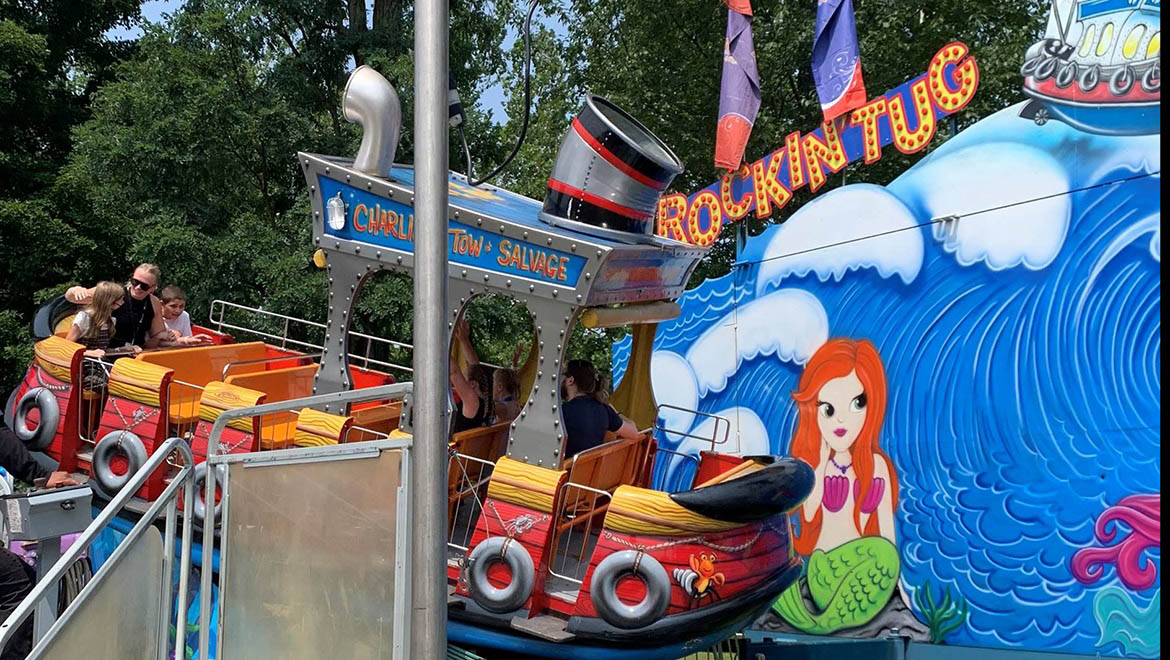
[(47, 513)]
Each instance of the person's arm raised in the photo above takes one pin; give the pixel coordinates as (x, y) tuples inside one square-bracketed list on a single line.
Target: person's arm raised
[(79, 295)]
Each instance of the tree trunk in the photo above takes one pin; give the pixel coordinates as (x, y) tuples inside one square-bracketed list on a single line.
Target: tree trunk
[(385, 11), (357, 16), (357, 26)]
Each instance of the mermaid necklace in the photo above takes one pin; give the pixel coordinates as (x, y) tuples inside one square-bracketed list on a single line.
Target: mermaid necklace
[(842, 468)]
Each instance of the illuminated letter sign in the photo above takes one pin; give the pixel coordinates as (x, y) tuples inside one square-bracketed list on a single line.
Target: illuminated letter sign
[(906, 116)]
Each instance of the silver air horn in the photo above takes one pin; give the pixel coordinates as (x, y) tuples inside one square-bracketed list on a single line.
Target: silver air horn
[(371, 101)]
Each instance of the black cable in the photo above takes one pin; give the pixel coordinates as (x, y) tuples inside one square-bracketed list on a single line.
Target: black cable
[(934, 221), (527, 98), (466, 151)]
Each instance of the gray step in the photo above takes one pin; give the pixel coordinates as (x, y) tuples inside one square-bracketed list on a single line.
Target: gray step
[(544, 626)]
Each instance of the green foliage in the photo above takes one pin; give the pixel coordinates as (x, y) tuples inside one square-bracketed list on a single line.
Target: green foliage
[(943, 617)]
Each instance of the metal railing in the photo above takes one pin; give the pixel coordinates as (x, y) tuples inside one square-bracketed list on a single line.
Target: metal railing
[(218, 313), (282, 358), (381, 392), (169, 499), (95, 383), (720, 422), (467, 476), (579, 516), (673, 474)]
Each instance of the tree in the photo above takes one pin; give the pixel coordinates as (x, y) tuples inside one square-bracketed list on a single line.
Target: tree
[(53, 58)]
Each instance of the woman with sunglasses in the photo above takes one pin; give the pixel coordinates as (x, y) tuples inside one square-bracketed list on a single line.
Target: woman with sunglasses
[(139, 319)]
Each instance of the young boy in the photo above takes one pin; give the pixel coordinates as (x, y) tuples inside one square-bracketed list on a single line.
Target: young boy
[(174, 306)]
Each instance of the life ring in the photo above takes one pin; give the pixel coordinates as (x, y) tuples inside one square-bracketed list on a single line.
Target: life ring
[(1122, 80), (1067, 75), (41, 437), (495, 550), (603, 589), (200, 506), (112, 443)]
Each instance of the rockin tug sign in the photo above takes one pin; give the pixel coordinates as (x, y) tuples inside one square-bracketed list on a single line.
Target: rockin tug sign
[(907, 116)]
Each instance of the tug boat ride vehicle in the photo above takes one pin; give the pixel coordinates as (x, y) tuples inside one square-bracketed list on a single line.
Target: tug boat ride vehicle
[(552, 555)]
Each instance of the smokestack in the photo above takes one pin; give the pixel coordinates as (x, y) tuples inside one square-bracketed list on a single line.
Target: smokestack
[(370, 100), (609, 174)]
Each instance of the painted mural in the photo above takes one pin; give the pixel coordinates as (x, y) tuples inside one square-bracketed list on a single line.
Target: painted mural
[(970, 358)]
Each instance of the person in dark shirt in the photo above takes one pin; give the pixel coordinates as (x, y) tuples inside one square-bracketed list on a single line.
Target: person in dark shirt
[(16, 577), (586, 415), (139, 321)]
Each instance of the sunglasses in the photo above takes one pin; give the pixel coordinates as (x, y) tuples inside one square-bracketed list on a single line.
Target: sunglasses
[(140, 285)]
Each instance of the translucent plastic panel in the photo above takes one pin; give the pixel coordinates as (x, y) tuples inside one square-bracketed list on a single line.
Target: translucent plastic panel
[(120, 619), (309, 558)]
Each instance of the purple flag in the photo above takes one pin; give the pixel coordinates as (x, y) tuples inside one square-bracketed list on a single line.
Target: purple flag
[(739, 94), (836, 61)]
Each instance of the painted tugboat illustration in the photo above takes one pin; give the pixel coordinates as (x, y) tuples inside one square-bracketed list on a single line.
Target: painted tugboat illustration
[(553, 554), (1099, 67)]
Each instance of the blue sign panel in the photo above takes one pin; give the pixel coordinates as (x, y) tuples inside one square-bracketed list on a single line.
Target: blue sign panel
[(386, 223)]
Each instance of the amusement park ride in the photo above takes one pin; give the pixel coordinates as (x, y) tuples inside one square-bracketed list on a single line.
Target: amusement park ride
[(335, 510), (547, 553)]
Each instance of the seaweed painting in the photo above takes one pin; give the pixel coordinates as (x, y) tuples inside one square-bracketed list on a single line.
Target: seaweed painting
[(944, 617)]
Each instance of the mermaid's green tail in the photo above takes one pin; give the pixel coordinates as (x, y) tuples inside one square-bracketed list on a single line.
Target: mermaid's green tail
[(849, 585)]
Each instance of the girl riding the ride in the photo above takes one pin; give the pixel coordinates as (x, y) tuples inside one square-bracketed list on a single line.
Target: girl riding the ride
[(93, 327)]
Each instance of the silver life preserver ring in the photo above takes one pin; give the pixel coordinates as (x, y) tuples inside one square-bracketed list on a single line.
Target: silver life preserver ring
[(1067, 75), (200, 506), (41, 437), (111, 444), (495, 550), (1122, 80), (1088, 78), (603, 589), (1152, 77), (1047, 68)]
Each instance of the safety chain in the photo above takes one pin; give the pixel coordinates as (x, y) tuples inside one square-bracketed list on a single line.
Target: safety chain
[(41, 383), (694, 539)]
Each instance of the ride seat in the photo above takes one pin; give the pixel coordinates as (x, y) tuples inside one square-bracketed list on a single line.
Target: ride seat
[(317, 429), (278, 429), (200, 365), (194, 368), (466, 476), (241, 433), (602, 468)]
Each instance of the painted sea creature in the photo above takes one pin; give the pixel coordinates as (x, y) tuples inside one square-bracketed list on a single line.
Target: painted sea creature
[(700, 580), (1138, 630), (944, 616), (1142, 514)]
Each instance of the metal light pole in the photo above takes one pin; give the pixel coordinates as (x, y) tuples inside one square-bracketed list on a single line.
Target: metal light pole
[(428, 543)]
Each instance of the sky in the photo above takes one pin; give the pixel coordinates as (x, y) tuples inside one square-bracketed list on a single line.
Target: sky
[(153, 10)]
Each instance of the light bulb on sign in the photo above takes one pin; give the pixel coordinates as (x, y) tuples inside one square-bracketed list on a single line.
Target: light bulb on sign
[(335, 212)]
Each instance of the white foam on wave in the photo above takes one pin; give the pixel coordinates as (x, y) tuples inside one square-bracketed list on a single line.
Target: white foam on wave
[(790, 323), (1011, 199), (849, 228)]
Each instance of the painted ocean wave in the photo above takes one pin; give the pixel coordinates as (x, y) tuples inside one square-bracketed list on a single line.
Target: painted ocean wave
[(1024, 396)]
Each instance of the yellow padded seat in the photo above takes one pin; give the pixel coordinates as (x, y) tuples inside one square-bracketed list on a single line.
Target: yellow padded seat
[(316, 429)]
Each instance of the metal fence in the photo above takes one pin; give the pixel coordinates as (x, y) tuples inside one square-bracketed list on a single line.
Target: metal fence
[(158, 638)]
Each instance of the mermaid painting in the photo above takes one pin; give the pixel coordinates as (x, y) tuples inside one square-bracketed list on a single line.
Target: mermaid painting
[(846, 526)]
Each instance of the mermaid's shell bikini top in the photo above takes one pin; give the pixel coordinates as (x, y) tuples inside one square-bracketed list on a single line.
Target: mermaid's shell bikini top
[(837, 491)]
